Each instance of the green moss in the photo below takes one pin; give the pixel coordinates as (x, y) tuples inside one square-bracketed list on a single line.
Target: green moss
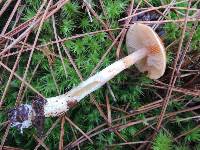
[(162, 142), (129, 87)]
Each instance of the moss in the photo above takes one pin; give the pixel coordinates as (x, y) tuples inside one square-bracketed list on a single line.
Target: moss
[(130, 88)]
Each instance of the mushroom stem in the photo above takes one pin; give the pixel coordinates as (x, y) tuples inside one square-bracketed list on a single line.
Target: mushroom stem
[(59, 104), (24, 116)]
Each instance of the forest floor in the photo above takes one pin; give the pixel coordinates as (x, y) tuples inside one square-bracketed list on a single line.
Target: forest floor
[(48, 47)]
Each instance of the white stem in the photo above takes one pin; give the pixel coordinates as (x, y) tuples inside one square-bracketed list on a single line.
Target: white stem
[(59, 104)]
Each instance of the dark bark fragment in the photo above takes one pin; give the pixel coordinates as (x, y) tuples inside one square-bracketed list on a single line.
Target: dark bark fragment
[(39, 118), (18, 115)]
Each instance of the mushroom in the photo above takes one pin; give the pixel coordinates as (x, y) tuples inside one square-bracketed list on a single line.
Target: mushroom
[(143, 38), (145, 50)]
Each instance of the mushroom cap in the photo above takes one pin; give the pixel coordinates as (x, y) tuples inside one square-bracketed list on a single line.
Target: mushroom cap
[(142, 36)]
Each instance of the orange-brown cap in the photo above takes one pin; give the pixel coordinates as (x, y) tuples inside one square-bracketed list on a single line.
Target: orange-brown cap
[(142, 36)]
